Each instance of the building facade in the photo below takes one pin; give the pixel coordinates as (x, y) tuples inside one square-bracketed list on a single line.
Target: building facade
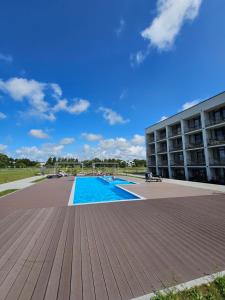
[(191, 144)]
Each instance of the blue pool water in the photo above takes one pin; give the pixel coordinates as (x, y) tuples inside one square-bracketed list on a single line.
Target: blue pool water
[(97, 189)]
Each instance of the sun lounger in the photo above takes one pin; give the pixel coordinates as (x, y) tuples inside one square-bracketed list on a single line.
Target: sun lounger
[(150, 178)]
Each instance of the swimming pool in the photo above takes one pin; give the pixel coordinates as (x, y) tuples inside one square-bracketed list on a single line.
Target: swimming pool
[(100, 189)]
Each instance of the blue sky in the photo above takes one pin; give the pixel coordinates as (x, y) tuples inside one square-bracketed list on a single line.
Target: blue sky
[(84, 78)]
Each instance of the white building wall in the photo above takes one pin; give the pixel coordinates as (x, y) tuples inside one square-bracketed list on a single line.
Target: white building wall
[(200, 109)]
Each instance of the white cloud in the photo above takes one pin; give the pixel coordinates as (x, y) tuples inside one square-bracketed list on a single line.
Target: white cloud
[(3, 147), (38, 133), (92, 137), (112, 117), (163, 118), (2, 116), (171, 15), (121, 27), (39, 153), (138, 139), (44, 99), (138, 58), (6, 58), (77, 107), (57, 89), (189, 104), (67, 141), (119, 147)]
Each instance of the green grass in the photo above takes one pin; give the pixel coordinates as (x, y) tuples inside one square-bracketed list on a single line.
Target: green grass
[(38, 180), (8, 175), (211, 291), (6, 192)]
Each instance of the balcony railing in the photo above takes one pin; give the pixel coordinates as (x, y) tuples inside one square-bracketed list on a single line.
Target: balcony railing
[(214, 142), (217, 162), (176, 147), (161, 137), (162, 150), (211, 121), (175, 132), (151, 140), (151, 151), (177, 162), (192, 128), (163, 163), (196, 162), (194, 145)]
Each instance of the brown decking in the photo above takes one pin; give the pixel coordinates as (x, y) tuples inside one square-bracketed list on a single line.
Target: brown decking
[(48, 193), (105, 251)]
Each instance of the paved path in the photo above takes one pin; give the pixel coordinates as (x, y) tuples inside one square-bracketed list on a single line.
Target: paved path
[(19, 184)]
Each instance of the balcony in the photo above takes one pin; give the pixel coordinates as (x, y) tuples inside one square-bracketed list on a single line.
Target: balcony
[(176, 147), (177, 162), (151, 151), (175, 132), (161, 137), (215, 142), (196, 162), (192, 128), (215, 121), (163, 163), (150, 141), (217, 162), (194, 145), (162, 150)]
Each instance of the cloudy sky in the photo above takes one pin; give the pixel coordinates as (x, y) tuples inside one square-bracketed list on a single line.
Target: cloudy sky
[(84, 78)]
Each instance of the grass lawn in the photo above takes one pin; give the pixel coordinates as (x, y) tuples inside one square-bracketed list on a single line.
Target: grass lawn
[(7, 175), (211, 291), (6, 192)]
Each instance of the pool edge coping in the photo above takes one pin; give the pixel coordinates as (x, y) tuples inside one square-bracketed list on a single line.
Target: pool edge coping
[(70, 202)]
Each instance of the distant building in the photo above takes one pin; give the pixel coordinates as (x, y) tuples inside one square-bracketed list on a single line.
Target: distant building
[(191, 144)]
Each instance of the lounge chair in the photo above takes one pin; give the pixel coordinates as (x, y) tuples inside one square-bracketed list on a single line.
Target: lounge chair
[(150, 178)]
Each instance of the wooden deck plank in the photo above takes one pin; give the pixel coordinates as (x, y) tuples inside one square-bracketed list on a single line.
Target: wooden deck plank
[(110, 282), (32, 279), (42, 282), (53, 284), (178, 245), (11, 255), (32, 238), (10, 236), (129, 267), (8, 220), (76, 276), (109, 251), (65, 279), (27, 267), (99, 282), (87, 274), (121, 280)]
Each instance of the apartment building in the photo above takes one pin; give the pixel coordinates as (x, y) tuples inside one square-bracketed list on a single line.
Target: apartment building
[(191, 144)]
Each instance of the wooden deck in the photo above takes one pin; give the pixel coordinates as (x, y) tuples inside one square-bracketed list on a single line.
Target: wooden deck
[(105, 251)]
